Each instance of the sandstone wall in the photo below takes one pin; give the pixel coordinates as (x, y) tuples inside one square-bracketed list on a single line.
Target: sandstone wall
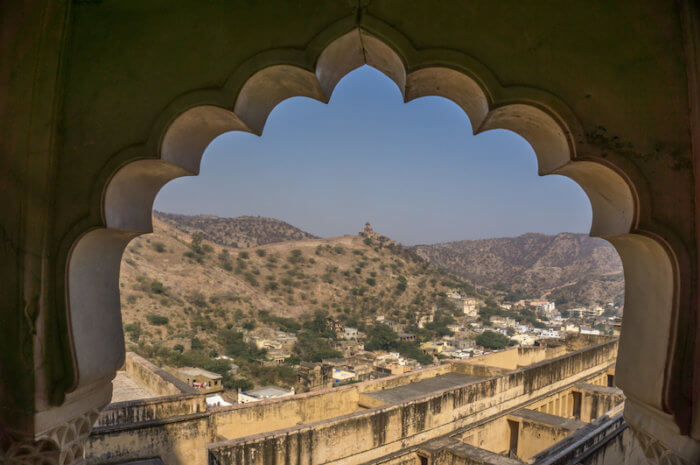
[(366, 435), (597, 400), (406, 378), (180, 441), (493, 436), (515, 357), (247, 419), (137, 411), (156, 379), (534, 437)]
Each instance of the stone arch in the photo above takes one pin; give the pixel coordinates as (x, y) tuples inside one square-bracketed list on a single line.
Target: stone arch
[(184, 129)]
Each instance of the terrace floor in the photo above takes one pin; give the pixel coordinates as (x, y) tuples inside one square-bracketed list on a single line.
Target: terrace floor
[(423, 387), (124, 388)]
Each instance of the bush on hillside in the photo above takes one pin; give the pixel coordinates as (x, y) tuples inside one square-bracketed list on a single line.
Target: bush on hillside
[(157, 320), (493, 340)]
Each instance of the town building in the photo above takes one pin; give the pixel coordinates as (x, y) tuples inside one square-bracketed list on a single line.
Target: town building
[(351, 333), (314, 376), (470, 307), (200, 379), (341, 376), (263, 393)]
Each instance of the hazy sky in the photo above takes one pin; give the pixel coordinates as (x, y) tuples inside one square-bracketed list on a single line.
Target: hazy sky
[(415, 171)]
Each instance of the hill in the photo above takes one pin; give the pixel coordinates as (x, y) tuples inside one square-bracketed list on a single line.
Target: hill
[(572, 269), (186, 298), (240, 232)]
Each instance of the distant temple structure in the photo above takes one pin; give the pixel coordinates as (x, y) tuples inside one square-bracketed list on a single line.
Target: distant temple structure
[(368, 231)]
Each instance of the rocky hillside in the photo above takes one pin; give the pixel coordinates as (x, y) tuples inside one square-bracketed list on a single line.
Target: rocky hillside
[(177, 286), (240, 232), (570, 268)]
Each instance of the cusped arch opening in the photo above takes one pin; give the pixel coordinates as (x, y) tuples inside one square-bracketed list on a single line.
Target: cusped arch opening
[(93, 268)]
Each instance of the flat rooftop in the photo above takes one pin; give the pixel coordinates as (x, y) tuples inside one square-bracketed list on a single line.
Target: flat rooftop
[(126, 388), (268, 392), (194, 371), (423, 387)]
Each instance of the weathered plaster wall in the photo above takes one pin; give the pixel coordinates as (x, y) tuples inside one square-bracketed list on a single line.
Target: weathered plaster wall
[(535, 437), (332, 426), (155, 378), (465, 454), (139, 411), (366, 435), (177, 441), (538, 431), (596, 400), (167, 426), (406, 378), (473, 369), (515, 357), (409, 458), (269, 415), (560, 403), (493, 436)]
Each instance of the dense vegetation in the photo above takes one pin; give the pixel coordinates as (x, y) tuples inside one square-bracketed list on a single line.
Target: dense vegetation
[(187, 299), (492, 340)]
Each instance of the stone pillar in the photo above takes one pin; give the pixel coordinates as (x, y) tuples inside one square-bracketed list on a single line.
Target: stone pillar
[(46, 409), (61, 445)]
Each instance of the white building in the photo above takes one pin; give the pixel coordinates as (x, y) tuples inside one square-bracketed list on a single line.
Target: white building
[(524, 339), (216, 401), (342, 376), (471, 307), (351, 333), (263, 393)]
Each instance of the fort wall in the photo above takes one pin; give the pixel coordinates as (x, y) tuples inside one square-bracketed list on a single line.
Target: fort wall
[(365, 435), (493, 436), (247, 419), (329, 426), (156, 379), (138, 411), (516, 357)]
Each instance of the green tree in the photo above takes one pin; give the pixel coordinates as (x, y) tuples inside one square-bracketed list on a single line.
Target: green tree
[(310, 347), (196, 243), (196, 343), (381, 337), (493, 340), (157, 320), (157, 287), (401, 285)]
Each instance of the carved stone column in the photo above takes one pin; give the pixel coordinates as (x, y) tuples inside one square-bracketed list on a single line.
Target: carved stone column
[(62, 445), (48, 400)]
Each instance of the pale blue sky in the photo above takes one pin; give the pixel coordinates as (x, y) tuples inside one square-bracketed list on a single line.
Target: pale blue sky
[(414, 170)]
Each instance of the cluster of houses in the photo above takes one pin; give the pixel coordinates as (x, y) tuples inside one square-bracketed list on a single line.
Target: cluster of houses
[(357, 364), (362, 366)]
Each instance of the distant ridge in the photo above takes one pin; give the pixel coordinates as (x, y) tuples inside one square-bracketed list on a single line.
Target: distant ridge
[(571, 268), (239, 232)]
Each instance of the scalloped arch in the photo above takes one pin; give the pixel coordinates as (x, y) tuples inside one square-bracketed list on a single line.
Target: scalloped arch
[(190, 123)]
